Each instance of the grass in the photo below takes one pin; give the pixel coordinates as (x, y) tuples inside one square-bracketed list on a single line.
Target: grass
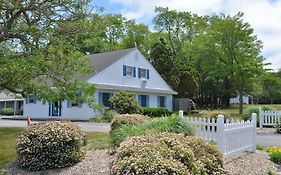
[(232, 111), (8, 155)]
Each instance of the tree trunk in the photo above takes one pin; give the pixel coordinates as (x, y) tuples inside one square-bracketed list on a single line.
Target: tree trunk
[(240, 101)]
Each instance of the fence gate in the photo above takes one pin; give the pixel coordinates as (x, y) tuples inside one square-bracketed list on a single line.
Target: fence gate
[(231, 137)]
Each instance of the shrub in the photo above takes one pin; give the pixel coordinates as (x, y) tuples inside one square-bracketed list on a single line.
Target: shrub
[(167, 153), (107, 118), (127, 119), (50, 145), (125, 103), (7, 111), (278, 127), (214, 114), (156, 112), (274, 154), (249, 111), (174, 124)]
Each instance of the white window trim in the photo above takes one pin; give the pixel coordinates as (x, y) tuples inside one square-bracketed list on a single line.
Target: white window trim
[(127, 71), (144, 71)]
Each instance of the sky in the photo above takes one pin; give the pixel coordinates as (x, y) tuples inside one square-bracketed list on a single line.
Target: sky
[(263, 15)]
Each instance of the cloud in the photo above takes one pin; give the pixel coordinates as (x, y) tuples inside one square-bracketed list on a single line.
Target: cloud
[(263, 15)]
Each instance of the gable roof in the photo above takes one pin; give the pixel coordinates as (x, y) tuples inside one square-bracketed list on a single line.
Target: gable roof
[(101, 61)]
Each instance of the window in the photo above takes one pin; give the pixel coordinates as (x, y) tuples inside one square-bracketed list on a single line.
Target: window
[(161, 101), (103, 98), (31, 99), (129, 71), (143, 100), (74, 103), (143, 73)]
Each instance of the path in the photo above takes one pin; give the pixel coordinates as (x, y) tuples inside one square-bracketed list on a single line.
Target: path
[(86, 126)]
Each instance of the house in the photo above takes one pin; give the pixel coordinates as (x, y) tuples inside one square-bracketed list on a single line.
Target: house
[(11, 100), (116, 71), (236, 100)]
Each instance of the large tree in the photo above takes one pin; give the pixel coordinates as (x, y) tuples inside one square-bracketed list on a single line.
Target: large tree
[(33, 59)]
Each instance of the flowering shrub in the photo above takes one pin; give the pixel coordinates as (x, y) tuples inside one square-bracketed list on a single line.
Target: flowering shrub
[(173, 124), (50, 145), (274, 154), (167, 153), (125, 103), (128, 119)]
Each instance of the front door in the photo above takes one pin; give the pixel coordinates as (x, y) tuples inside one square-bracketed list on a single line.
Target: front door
[(55, 109)]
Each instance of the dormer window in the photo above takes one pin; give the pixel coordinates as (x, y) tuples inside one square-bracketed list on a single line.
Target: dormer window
[(129, 71)]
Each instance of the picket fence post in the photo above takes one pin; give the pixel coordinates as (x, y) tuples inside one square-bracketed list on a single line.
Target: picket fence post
[(254, 120), (220, 133), (181, 113), (261, 116)]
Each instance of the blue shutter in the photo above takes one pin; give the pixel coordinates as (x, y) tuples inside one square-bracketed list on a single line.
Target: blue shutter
[(139, 99), (124, 70), (147, 101), (147, 74), (68, 104), (158, 101), (80, 104), (26, 100), (100, 98), (134, 69), (139, 74), (165, 101), (50, 108), (34, 99), (59, 108)]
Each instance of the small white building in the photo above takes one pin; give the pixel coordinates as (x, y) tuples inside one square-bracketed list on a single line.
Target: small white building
[(116, 71), (11, 100), (236, 100)]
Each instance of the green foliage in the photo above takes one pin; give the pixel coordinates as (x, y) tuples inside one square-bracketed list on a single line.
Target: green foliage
[(278, 127), (274, 154), (259, 147), (106, 118), (174, 124), (128, 119), (98, 141), (167, 154), (50, 145), (124, 103), (156, 112), (7, 111)]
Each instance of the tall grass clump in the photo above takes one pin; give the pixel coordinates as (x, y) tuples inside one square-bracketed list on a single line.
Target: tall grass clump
[(171, 124)]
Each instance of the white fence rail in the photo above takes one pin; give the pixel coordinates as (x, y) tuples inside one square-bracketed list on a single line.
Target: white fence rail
[(231, 137), (269, 118)]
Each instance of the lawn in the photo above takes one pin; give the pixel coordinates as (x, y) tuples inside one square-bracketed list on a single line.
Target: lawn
[(96, 140)]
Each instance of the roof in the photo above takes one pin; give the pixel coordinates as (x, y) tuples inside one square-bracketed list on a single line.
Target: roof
[(134, 89), (8, 96), (101, 61)]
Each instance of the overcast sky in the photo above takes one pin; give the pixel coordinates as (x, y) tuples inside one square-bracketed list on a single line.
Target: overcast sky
[(263, 15)]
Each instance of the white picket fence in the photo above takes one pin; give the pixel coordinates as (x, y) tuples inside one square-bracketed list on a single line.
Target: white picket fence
[(231, 137), (269, 118)]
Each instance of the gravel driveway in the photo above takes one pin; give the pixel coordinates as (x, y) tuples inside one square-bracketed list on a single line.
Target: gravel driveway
[(86, 126)]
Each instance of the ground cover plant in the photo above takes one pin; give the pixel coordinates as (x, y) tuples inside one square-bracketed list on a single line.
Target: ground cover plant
[(167, 153), (50, 145), (274, 154), (173, 123), (128, 119)]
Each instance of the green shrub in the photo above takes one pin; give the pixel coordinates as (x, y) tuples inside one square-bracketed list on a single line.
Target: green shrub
[(156, 112), (127, 119), (50, 145), (7, 111), (167, 153), (125, 103), (214, 114), (249, 111), (259, 147), (174, 124), (107, 118), (278, 127)]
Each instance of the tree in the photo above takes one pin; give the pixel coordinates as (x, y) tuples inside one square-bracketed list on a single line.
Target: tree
[(230, 44), (32, 58)]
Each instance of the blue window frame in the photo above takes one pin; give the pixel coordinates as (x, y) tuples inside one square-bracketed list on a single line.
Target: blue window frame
[(31, 99), (162, 101)]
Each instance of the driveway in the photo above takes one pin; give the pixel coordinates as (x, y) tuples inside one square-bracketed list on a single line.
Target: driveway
[(86, 126), (269, 140)]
